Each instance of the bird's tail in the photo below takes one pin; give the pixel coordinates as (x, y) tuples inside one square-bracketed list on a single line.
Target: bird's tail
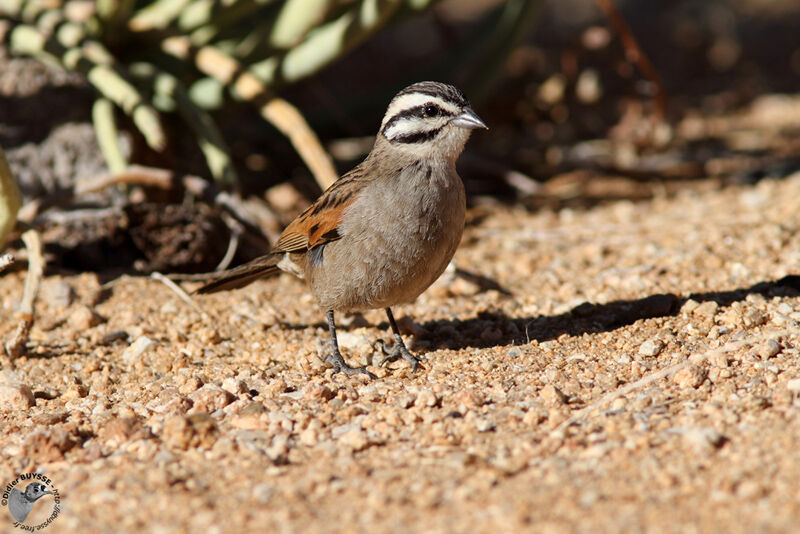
[(244, 274)]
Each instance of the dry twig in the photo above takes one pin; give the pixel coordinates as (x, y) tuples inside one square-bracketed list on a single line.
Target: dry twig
[(149, 177), (178, 291), (635, 55), (135, 174), (15, 347), (658, 375), (233, 243)]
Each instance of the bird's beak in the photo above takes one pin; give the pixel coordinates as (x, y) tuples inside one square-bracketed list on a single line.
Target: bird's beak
[(468, 119)]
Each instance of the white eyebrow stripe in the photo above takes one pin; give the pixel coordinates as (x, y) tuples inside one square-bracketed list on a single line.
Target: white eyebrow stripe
[(413, 100), (413, 125)]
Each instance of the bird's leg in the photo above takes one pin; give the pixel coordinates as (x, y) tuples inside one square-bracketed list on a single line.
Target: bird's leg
[(399, 349), (335, 359)]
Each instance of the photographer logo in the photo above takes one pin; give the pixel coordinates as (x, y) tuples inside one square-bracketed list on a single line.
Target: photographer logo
[(28, 492)]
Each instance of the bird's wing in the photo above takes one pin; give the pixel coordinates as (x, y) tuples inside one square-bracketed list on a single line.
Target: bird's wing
[(18, 505), (319, 223)]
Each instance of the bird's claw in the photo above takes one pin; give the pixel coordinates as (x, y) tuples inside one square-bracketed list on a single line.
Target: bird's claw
[(339, 365), (397, 351)]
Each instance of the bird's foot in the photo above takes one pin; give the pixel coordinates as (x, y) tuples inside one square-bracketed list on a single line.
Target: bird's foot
[(397, 351), (338, 363)]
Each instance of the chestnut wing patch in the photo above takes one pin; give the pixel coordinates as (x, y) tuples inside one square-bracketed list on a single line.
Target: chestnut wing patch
[(320, 222)]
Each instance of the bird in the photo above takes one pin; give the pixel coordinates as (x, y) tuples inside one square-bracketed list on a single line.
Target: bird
[(383, 232), (20, 503)]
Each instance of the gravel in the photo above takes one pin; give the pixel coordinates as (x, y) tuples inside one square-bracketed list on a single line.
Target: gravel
[(535, 408)]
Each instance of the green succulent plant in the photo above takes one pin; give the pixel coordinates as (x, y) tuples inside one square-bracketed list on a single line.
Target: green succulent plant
[(10, 200), (150, 57)]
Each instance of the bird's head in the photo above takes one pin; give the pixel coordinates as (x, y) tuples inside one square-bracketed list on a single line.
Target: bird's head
[(430, 119), (36, 490)]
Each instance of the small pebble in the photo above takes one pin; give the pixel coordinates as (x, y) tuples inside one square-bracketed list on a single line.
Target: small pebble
[(718, 359), (553, 395), (370, 393), (427, 398), (318, 392), (341, 430), (689, 307), (211, 398), (793, 385), (354, 439), (191, 385), (704, 439), (706, 310), (75, 391), (484, 425), (137, 348), (651, 348), (234, 386), (690, 377), (113, 337), (84, 318), (249, 418), (263, 492), (58, 293), (753, 317), (353, 342), (619, 404), (185, 432), (308, 437), (209, 336), (406, 400), (769, 349), (471, 398), (170, 401), (16, 397), (513, 352)]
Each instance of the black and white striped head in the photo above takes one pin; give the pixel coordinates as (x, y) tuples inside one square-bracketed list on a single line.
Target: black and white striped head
[(35, 490), (429, 118)]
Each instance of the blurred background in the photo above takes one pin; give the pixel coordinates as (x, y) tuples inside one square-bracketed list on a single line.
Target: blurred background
[(587, 101)]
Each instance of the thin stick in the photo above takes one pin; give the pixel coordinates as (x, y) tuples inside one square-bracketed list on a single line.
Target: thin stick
[(195, 277), (68, 217), (177, 290), (16, 345), (35, 270), (635, 55), (233, 243), (135, 174), (147, 176), (658, 375)]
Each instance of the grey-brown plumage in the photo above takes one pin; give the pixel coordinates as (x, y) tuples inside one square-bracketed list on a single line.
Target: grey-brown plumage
[(386, 230)]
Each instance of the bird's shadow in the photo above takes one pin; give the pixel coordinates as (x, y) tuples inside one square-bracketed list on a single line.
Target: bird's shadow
[(496, 329)]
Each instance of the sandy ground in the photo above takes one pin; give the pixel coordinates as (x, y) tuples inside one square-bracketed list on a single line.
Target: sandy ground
[(629, 368)]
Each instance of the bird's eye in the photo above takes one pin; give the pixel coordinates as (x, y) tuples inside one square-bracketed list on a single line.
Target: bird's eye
[(430, 110)]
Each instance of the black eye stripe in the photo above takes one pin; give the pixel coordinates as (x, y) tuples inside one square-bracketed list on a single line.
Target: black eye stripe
[(416, 111), (416, 137)]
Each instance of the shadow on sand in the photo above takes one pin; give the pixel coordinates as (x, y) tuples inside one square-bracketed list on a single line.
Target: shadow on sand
[(590, 318)]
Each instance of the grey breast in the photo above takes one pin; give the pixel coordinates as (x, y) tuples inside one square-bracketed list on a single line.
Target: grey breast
[(405, 234)]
